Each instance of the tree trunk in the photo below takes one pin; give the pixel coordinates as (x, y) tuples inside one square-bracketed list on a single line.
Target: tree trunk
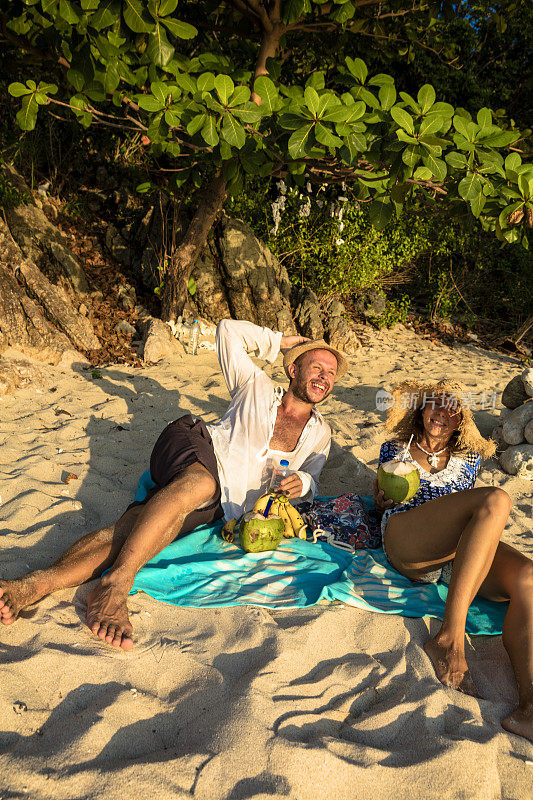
[(186, 254)]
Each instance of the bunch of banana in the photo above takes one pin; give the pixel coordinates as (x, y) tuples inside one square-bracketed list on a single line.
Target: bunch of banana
[(281, 507), (228, 531)]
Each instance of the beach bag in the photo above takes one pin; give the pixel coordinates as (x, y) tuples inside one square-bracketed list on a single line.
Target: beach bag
[(342, 522)]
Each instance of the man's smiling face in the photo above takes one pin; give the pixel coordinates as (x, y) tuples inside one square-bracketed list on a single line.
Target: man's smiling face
[(313, 375)]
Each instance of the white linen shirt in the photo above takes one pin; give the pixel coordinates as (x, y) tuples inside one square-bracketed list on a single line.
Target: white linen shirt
[(241, 438)]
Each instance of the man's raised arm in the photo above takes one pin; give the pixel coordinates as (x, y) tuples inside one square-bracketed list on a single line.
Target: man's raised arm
[(236, 340)]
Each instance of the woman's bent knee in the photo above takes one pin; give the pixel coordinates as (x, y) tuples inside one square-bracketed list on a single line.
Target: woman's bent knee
[(495, 501)]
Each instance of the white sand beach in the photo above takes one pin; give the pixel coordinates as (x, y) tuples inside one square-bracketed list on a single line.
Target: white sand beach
[(322, 703)]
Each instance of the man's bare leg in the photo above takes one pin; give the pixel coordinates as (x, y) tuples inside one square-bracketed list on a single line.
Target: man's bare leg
[(125, 547), (85, 559)]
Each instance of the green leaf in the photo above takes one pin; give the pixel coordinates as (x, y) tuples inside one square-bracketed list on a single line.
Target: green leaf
[(470, 186), (354, 144), (484, 118), (312, 100), (403, 119), (249, 113), (150, 103), (111, 76), (205, 82), (134, 17), (512, 162), (525, 184), (325, 136), (411, 155), (18, 89), (464, 127), (411, 102), (298, 141), (430, 124), (316, 80), (381, 79), (502, 139), (405, 137), (105, 15), (67, 12), (423, 174), (224, 87), (358, 68), (27, 116), (191, 286), (387, 96), (209, 131), (159, 49), (166, 7), (477, 204), (426, 97), (195, 124), (380, 214), (436, 165), (444, 109), (240, 95), (455, 160), (232, 131), (179, 29), (267, 91)]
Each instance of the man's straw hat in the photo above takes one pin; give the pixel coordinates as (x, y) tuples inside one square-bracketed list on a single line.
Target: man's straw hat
[(318, 344)]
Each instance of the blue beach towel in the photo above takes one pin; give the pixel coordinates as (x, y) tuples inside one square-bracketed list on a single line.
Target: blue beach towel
[(201, 569)]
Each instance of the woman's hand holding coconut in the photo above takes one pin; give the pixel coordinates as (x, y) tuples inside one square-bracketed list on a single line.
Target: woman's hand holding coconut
[(451, 527)]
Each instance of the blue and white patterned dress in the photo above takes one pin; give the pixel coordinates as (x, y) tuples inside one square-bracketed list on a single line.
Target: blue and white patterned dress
[(460, 473)]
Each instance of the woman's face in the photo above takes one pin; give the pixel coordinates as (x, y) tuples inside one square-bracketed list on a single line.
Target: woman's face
[(441, 416)]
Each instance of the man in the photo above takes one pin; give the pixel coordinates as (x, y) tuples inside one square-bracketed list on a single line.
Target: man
[(199, 473)]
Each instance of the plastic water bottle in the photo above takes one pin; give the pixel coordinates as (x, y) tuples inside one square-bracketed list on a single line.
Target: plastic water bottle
[(278, 473), (193, 341)]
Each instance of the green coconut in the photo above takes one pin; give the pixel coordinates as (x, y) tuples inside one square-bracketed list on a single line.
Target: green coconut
[(257, 533), (399, 480)]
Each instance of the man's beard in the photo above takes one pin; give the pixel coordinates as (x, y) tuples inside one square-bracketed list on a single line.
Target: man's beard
[(299, 390)]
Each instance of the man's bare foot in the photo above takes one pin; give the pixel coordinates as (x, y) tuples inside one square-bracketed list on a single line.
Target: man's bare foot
[(520, 722), (451, 667), (107, 614), (18, 594)]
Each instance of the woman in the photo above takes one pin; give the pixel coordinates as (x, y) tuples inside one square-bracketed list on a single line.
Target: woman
[(452, 531)]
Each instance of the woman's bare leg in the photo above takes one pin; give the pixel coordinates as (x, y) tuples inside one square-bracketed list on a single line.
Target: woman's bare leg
[(511, 578), (465, 526)]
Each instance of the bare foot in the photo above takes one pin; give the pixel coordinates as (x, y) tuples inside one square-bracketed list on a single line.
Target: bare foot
[(520, 722), (16, 595), (451, 667), (107, 615)]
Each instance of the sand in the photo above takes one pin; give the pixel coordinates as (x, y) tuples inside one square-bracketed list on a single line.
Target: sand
[(236, 703)]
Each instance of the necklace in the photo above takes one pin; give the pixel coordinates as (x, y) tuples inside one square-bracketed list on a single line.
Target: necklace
[(433, 458)]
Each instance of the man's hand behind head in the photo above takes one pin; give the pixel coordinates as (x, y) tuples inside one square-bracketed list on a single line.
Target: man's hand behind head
[(287, 342)]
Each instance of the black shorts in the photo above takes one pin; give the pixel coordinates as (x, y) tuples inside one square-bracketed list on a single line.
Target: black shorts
[(183, 443)]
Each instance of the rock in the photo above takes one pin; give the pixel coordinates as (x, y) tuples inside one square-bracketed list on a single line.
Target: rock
[(375, 304), (159, 342), (117, 246), (518, 460), (124, 327), (257, 287), (338, 331), (307, 314), (528, 432), (514, 425), (514, 393), (527, 380), (71, 268), (30, 307)]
